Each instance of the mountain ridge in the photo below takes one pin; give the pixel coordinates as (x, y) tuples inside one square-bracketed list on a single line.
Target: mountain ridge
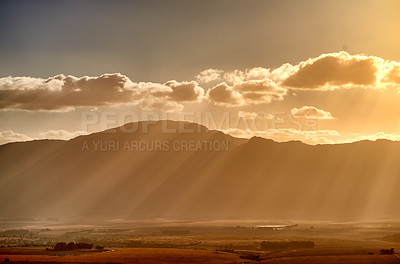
[(203, 127), (255, 178)]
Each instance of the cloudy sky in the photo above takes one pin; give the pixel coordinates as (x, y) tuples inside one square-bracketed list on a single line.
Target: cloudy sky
[(316, 71)]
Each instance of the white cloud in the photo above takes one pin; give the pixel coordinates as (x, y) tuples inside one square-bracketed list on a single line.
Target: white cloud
[(185, 91), (311, 137), (236, 88), (374, 137), (245, 93), (255, 115), (209, 75), (311, 112), (223, 94), (238, 76), (61, 134), (332, 71), (67, 92), (160, 104), (339, 70), (326, 72), (11, 136)]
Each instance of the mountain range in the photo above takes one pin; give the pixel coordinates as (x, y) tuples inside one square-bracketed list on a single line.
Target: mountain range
[(180, 170)]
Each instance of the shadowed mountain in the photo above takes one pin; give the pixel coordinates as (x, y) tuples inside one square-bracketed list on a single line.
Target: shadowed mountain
[(179, 170)]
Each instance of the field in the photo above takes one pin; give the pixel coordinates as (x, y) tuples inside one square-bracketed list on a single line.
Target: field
[(133, 255), (157, 255), (199, 242)]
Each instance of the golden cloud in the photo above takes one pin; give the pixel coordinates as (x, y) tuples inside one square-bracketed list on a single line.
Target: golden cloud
[(331, 71), (311, 112), (326, 72), (288, 134), (236, 88), (11, 136), (67, 92), (245, 93)]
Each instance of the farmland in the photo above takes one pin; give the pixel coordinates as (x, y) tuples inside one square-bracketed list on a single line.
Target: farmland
[(201, 242)]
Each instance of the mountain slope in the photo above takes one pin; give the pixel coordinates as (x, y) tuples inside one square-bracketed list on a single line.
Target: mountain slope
[(256, 178)]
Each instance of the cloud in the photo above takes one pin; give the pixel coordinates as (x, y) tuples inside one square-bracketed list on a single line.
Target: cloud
[(289, 134), (67, 92), (331, 71), (185, 91), (311, 137), (234, 89), (255, 115), (260, 91), (311, 112), (61, 134), (60, 92), (209, 75), (237, 76), (223, 94), (167, 96), (234, 77), (391, 73), (160, 104), (11, 136), (245, 93), (339, 70), (373, 137), (326, 72)]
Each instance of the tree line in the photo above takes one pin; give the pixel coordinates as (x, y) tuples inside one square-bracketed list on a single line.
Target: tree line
[(285, 245)]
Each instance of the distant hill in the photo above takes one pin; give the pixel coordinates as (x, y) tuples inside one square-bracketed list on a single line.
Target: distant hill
[(185, 171)]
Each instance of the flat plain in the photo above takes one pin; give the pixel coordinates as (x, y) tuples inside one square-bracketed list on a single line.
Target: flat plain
[(201, 242)]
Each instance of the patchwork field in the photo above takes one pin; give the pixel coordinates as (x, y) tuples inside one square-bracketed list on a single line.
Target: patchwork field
[(202, 242), (166, 256), (131, 255)]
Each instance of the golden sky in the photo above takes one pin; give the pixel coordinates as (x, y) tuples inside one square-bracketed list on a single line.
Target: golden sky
[(316, 71)]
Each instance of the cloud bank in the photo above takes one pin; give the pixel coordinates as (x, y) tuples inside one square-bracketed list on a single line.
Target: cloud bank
[(289, 134), (332, 71), (255, 115), (61, 134), (11, 136), (65, 92), (245, 93), (230, 89), (311, 137), (326, 72)]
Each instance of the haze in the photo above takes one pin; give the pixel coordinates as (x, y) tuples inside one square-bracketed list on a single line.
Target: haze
[(261, 131)]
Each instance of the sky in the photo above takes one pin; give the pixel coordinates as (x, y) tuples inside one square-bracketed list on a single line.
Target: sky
[(315, 71)]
